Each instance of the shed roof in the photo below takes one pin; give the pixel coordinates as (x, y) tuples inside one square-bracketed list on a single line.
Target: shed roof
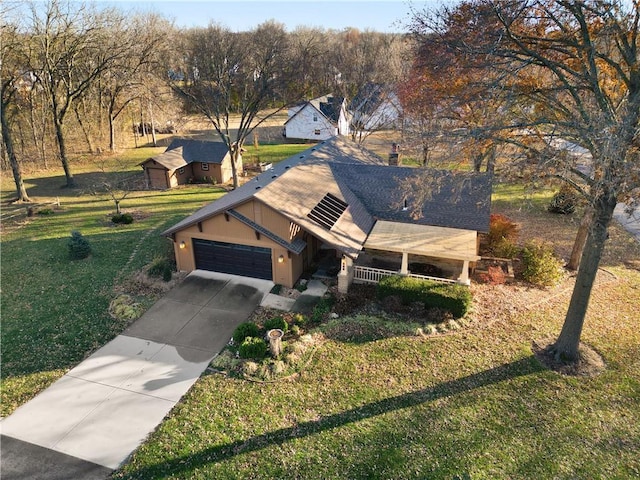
[(439, 242)]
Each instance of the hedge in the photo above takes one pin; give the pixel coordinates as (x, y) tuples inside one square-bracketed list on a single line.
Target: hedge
[(451, 297)]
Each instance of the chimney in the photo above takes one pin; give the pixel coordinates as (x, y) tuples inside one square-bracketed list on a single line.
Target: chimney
[(394, 155)]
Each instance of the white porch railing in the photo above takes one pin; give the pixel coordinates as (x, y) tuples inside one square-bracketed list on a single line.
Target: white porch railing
[(373, 275)]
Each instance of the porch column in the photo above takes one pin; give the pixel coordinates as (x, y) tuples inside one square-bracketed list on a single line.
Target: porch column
[(345, 277), (464, 276), (404, 269)]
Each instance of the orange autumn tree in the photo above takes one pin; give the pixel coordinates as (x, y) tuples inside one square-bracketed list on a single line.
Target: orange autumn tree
[(444, 95), (558, 71)]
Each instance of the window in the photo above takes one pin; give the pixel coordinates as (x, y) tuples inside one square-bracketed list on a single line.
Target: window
[(315, 117), (205, 166), (181, 170), (317, 131)]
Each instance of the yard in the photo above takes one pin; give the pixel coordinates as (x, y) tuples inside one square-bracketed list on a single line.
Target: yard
[(473, 403), (470, 403)]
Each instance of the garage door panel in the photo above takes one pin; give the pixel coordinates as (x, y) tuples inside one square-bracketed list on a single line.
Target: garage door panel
[(244, 260)]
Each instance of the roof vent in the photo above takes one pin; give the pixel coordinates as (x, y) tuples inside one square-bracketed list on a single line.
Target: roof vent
[(274, 176), (287, 167), (405, 205), (327, 212), (258, 187)]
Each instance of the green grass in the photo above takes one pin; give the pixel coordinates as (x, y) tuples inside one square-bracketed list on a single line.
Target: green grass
[(54, 310), (472, 404), (272, 153)]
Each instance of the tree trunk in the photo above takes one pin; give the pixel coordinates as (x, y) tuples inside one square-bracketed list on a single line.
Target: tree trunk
[(153, 127), (71, 183), (85, 131), (112, 134), (566, 346), (581, 239), (235, 153), (13, 160)]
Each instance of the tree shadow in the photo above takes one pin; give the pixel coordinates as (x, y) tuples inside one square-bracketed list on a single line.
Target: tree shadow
[(525, 366)]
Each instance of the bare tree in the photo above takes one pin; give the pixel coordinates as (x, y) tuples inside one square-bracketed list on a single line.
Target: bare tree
[(132, 75), (13, 77), (564, 70), (73, 47), (248, 75)]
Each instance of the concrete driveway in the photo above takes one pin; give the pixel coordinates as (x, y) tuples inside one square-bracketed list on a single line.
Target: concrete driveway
[(90, 421)]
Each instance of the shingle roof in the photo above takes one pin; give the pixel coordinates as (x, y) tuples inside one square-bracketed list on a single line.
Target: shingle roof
[(330, 107), (371, 189), (170, 159), (200, 150), (182, 151), (455, 200)]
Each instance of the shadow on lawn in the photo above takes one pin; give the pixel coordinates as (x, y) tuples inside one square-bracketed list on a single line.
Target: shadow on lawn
[(519, 368)]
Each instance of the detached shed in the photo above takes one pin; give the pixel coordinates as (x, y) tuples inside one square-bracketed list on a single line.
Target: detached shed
[(186, 160)]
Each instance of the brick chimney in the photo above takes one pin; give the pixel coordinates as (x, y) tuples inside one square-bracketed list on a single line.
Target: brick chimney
[(394, 155)]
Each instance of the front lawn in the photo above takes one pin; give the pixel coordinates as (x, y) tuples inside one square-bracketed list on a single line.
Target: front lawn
[(468, 404), (54, 310)]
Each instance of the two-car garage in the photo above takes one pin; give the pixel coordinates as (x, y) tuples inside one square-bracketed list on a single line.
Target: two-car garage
[(233, 258)]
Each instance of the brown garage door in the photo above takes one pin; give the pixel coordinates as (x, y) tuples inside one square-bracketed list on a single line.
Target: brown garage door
[(244, 260)]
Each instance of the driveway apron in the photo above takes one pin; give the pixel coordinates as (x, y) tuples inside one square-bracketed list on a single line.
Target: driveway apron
[(104, 408)]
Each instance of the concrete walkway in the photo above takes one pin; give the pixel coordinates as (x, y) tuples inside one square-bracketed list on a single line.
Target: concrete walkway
[(303, 304), (91, 420)]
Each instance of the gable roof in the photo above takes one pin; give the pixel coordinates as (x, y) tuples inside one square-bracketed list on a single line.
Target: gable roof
[(358, 178), (169, 159), (183, 151), (330, 106), (327, 105), (206, 151)]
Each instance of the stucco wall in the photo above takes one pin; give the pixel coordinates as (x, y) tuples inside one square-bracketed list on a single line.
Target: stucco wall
[(230, 230)]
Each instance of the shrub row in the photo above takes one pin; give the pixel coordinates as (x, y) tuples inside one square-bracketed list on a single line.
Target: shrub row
[(453, 298)]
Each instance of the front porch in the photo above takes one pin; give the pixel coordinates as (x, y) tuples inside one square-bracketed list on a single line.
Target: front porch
[(431, 253)]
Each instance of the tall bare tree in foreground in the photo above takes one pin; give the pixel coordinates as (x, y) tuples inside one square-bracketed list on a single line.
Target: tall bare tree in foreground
[(563, 70)]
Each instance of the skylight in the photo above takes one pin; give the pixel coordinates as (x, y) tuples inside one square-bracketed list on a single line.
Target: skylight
[(327, 212)]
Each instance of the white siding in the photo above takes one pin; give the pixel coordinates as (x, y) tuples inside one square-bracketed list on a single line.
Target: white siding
[(304, 127)]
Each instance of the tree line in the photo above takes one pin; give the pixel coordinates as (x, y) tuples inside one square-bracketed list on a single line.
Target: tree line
[(75, 78)]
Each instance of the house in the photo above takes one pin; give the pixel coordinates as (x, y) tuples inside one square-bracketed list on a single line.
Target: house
[(186, 160), (318, 119), (375, 107), (340, 198)]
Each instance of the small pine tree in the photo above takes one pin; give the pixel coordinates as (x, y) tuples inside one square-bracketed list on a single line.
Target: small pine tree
[(79, 247)]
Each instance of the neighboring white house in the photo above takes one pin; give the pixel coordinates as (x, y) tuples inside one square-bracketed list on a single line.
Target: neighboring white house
[(375, 107), (319, 119)]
